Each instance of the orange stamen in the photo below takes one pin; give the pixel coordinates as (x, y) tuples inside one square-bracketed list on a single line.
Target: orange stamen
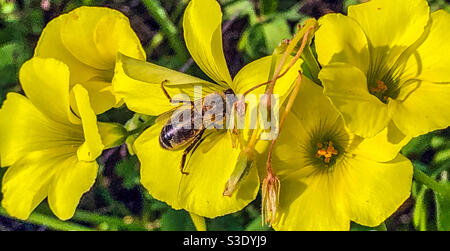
[(381, 87), (327, 152)]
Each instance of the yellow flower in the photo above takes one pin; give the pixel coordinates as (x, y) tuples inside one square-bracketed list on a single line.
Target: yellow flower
[(87, 40), (329, 176), (50, 150), (212, 163), (387, 64)]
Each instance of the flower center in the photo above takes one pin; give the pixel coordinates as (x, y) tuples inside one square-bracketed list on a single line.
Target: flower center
[(379, 91), (325, 151)]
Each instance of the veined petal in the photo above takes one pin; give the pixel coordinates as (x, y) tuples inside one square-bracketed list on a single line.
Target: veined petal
[(92, 146), (431, 60), (26, 183), (71, 180), (346, 86), (311, 203), (113, 134), (94, 35), (46, 84), (312, 107), (425, 109), (160, 168), (139, 84), (384, 146), (341, 39), (390, 26), (210, 167), (203, 36), (50, 46), (257, 72), (366, 184), (100, 94), (24, 129)]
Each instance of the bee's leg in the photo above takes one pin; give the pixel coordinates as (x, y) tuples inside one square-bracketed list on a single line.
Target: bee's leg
[(170, 98), (198, 139)]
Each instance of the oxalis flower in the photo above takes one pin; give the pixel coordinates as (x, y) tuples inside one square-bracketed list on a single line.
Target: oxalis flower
[(87, 40), (386, 67), (330, 176), (213, 161), (50, 150)]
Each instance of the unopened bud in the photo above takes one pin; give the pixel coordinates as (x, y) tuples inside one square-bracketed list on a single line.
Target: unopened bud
[(241, 169), (270, 198)]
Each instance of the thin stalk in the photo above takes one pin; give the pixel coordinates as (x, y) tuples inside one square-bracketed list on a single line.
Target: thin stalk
[(199, 222), (429, 182), (50, 222), (168, 28), (98, 219), (142, 127)]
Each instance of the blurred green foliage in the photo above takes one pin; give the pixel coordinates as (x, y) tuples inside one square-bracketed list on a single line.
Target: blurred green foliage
[(251, 29)]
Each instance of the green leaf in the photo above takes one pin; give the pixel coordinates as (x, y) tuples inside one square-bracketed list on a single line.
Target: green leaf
[(356, 227), (442, 157), (420, 210), (12, 55), (256, 225), (127, 169), (443, 209), (268, 6), (274, 32), (417, 145), (261, 39), (176, 220)]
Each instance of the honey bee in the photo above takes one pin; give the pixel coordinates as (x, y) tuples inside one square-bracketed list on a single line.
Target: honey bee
[(189, 130)]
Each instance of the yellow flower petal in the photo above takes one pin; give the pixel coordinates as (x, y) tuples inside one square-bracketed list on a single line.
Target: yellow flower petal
[(384, 146), (72, 179), (113, 134), (425, 109), (94, 35), (201, 191), (311, 203), (160, 168), (211, 165), (139, 84), (203, 36), (100, 94), (257, 72), (24, 129), (390, 26), (92, 147), (431, 60), (346, 86), (341, 39), (374, 191), (26, 183), (50, 46), (44, 78)]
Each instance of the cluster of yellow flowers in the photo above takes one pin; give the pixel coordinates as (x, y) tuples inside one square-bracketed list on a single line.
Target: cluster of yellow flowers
[(384, 78)]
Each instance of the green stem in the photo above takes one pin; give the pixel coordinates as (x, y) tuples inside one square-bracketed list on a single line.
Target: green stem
[(142, 127), (199, 222), (429, 182), (382, 227), (97, 219), (168, 28), (312, 63), (50, 222)]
